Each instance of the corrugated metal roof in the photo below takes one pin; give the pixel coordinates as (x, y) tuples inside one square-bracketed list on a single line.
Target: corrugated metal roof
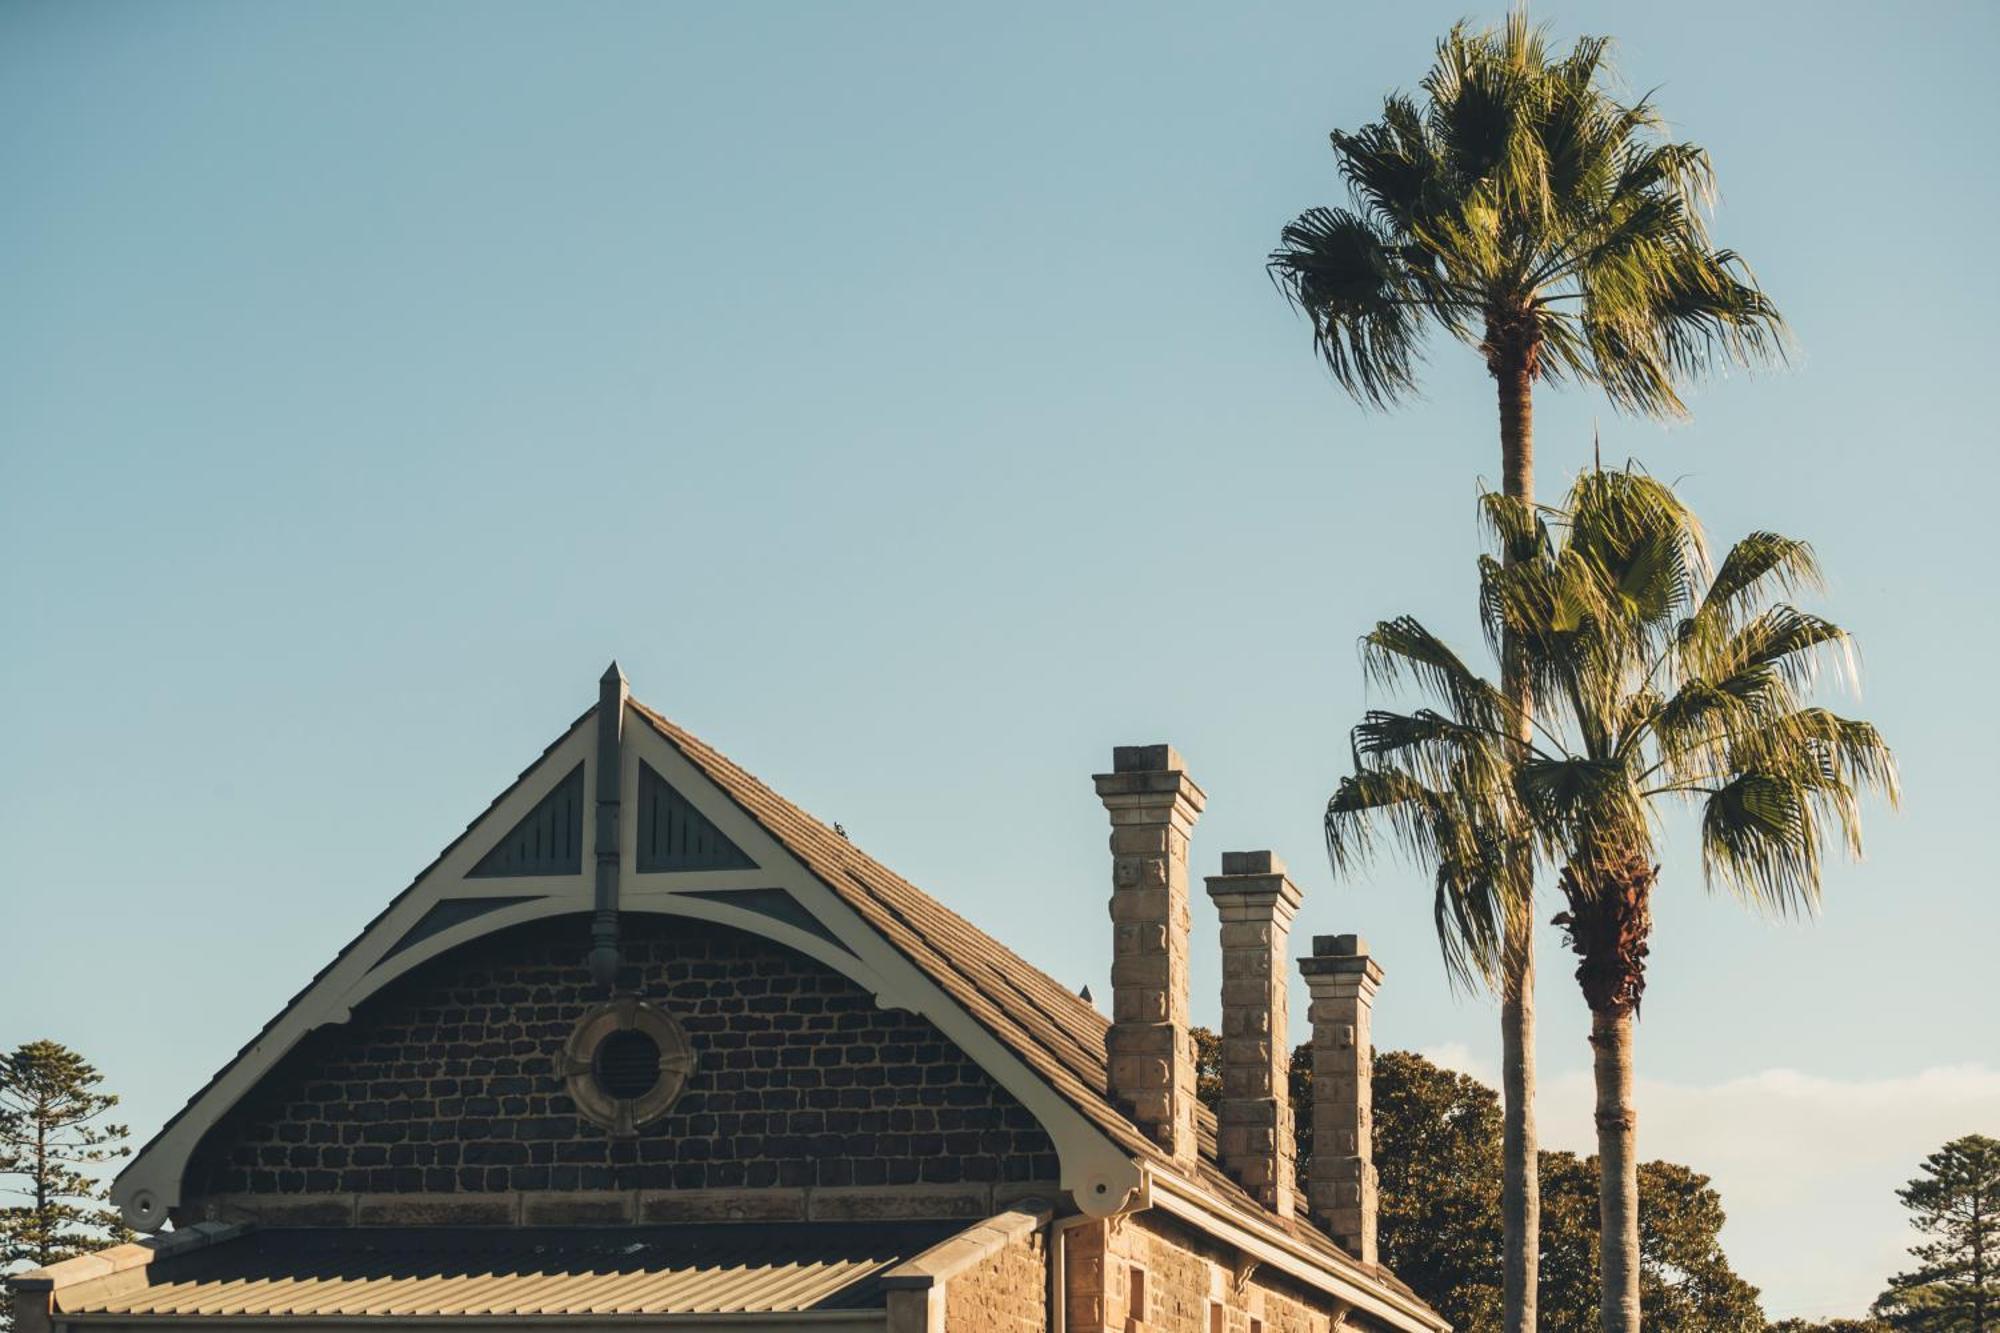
[(432, 1272)]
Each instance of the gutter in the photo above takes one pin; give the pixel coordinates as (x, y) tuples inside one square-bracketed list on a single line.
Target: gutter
[(1270, 1245)]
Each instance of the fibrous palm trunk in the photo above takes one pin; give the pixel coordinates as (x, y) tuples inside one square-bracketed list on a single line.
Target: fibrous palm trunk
[(1520, 1191), (1609, 922)]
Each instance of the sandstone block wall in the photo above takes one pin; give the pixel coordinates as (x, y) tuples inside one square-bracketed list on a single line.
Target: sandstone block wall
[(1005, 1293), (1185, 1282)]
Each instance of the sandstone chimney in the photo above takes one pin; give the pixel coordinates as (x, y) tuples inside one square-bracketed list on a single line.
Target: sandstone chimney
[(1341, 1184), (1256, 900), (1153, 805)]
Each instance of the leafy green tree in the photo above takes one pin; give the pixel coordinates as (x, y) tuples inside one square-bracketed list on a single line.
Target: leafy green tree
[(1955, 1287), (1524, 209), (1829, 1326), (52, 1135), (1437, 1152), (1685, 1279), (1654, 681)]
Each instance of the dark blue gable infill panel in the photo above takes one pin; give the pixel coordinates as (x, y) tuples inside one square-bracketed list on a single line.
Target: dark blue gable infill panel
[(547, 841), (774, 903), (445, 914), (673, 835)]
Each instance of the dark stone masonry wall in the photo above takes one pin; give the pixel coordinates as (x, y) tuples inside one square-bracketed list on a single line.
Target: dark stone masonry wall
[(445, 1082)]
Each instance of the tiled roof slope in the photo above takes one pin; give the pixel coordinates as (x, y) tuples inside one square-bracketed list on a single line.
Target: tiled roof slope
[(1057, 1033)]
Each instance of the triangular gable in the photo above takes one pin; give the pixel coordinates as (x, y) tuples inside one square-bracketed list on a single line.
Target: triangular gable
[(707, 857)]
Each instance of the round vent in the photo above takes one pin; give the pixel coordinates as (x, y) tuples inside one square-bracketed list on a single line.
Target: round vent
[(624, 1064)]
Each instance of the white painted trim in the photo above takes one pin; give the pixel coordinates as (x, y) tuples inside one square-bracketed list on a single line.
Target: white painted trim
[(454, 868), (668, 881), (150, 1185), (644, 744), (1095, 1170), (1269, 1245), (979, 1242), (1098, 1174)]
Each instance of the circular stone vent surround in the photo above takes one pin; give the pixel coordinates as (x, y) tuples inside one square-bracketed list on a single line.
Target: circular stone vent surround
[(625, 1063)]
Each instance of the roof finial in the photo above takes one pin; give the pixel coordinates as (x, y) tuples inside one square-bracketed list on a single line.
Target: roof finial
[(612, 675)]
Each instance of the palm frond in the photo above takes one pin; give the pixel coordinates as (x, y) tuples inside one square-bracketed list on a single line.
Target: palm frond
[(1516, 527), (1819, 743), (1652, 680), (1781, 645), (1478, 881), (1402, 650), (1436, 749), (1346, 275), (1760, 565), (1391, 167), (1518, 190), (1760, 838)]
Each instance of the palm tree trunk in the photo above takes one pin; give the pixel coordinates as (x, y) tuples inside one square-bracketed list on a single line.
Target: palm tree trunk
[(1618, 1171), (1521, 1190), (1610, 927)]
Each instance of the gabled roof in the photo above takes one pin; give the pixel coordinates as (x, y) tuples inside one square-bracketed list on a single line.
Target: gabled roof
[(1059, 1034), (1057, 1037)]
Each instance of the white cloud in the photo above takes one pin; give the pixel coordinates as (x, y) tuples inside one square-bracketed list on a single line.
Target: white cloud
[(1807, 1166)]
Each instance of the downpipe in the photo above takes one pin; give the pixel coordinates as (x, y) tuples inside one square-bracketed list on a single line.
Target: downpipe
[(1137, 1201)]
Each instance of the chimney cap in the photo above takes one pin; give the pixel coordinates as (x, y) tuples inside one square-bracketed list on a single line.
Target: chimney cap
[(1161, 758), (1338, 960), (1252, 863)]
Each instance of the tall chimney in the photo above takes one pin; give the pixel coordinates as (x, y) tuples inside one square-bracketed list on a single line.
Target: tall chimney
[(1153, 805), (1341, 1185), (1256, 900)]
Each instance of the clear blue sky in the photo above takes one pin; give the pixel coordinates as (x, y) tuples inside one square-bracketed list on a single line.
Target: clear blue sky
[(896, 391)]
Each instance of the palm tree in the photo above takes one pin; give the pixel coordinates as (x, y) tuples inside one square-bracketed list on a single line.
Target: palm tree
[(1527, 211), (1653, 681)]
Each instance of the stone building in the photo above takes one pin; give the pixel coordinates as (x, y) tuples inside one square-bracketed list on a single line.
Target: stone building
[(649, 1046)]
